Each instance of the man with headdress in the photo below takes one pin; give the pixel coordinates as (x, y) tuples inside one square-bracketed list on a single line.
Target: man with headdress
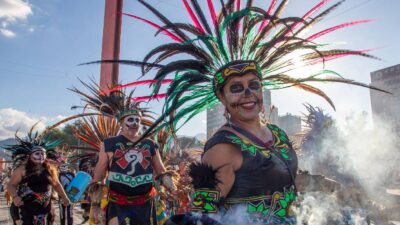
[(129, 161), (249, 165)]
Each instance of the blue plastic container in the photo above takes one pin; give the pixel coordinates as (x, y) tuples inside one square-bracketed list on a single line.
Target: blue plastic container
[(78, 186)]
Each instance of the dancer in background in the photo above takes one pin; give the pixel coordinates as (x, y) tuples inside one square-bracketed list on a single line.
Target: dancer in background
[(66, 212), (130, 166), (34, 179)]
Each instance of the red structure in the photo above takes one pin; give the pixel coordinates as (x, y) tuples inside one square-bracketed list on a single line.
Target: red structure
[(111, 43)]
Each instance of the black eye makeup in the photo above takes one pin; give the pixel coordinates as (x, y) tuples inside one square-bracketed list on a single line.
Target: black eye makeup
[(254, 85), (236, 88), (130, 120)]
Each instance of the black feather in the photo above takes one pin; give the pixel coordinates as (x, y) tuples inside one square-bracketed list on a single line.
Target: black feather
[(165, 20), (201, 16), (177, 48), (181, 65), (124, 62), (183, 26), (203, 176)]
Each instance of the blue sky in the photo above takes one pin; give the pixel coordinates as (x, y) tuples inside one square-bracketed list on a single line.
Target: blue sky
[(42, 42)]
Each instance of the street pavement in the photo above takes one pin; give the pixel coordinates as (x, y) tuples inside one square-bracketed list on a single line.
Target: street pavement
[(5, 218)]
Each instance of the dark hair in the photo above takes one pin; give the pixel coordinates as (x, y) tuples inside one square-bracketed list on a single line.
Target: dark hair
[(31, 169)]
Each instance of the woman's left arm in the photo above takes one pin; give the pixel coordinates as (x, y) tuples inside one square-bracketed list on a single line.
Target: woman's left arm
[(60, 191)]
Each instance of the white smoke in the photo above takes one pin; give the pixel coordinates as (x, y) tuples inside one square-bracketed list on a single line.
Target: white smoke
[(363, 159)]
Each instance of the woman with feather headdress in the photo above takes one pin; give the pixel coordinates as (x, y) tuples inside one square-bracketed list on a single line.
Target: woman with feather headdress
[(248, 165), (31, 183)]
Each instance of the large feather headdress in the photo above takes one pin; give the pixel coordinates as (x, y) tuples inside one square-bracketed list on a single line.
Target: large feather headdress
[(33, 142), (240, 38), (93, 131), (112, 103)]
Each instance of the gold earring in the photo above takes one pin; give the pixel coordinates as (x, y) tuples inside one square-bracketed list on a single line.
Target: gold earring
[(263, 117), (227, 116)]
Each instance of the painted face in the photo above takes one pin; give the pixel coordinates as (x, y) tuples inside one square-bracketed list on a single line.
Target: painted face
[(132, 122), (64, 167), (38, 156), (242, 96)]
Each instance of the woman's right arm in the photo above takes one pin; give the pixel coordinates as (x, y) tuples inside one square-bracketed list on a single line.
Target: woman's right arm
[(12, 185), (214, 177), (226, 160)]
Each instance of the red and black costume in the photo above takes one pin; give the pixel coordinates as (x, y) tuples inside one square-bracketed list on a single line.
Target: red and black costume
[(131, 190)]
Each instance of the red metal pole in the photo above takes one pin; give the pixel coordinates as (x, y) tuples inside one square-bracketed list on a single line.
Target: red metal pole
[(111, 43)]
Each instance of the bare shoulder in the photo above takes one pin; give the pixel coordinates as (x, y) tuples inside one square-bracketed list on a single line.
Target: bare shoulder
[(19, 170), (223, 154)]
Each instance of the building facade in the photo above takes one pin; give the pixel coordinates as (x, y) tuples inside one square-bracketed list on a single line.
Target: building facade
[(384, 106), (291, 124)]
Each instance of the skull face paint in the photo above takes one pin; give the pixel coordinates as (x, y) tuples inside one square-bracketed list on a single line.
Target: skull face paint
[(64, 167), (132, 122), (243, 97), (38, 155)]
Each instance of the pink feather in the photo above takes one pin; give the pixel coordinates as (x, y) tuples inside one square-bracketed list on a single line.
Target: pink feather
[(308, 14), (237, 5), (166, 32), (193, 16), (265, 22), (136, 83), (237, 9), (148, 98), (212, 11), (332, 57), (326, 31), (315, 8)]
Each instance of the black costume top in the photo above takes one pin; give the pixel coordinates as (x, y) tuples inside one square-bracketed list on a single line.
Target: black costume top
[(35, 191), (131, 172), (265, 181)]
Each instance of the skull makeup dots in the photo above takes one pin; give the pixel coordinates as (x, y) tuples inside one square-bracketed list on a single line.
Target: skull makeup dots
[(64, 167), (38, 154), (132, 121)]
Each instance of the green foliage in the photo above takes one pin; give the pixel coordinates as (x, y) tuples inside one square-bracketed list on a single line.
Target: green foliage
[(66, 134)]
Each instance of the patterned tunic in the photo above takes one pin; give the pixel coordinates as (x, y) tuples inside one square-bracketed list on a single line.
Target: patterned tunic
[(264, 184)]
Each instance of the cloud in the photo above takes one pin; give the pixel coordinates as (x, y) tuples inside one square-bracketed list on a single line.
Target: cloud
[(12, 12), (12, 120), (7, 33)]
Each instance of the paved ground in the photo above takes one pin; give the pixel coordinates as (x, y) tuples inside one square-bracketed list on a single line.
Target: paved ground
[(6, 220)]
